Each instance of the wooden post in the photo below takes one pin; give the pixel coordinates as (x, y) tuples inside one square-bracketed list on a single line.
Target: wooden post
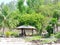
[(32, 32), (22, 32)]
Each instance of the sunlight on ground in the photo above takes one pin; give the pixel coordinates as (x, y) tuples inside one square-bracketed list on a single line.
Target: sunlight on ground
[(17, 41)]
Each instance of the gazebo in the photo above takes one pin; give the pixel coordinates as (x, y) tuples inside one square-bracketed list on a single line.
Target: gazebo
[(23, 28)]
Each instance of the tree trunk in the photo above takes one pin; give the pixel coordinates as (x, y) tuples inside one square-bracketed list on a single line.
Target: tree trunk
[(57, 27), (40, 32), (3, 31)]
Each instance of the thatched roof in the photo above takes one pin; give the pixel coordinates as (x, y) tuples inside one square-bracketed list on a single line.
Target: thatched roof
[(26, 27)]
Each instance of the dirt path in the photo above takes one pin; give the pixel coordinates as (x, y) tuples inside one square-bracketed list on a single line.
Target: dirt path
[(17, 41), (13, 41)]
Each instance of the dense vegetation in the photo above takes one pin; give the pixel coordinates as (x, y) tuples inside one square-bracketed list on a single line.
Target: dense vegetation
[(43, 14)]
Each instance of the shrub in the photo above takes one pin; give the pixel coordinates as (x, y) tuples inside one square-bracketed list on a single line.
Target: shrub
[(11, 33), (49, 29), (57, 35), (1, 34), (15, 34), (33, 38), (8, 33), (49, 40)]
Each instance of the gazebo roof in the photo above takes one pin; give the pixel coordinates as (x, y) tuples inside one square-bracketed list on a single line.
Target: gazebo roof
[(26, 27)]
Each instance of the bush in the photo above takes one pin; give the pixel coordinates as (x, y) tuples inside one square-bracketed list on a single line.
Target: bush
[(33, 38), (8, 34), (49, 29), (11, 33), (15, 34), (48, 40), (57, 35), (1, 34)]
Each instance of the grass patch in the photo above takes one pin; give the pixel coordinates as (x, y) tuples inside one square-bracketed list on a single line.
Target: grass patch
[(43, 40), (33, 38), (48, 40)]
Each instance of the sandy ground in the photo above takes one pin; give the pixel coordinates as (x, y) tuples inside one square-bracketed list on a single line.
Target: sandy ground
[(13, 41), (17, 41)]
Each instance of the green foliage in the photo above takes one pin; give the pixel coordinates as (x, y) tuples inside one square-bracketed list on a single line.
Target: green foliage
[(15, 34), (34, 19), (35, 4), (7, 17), (49, 29), (8, 34), (53, 21), (48, 40), (11, 33), (1, 33), (21, 7), (57, 35), (46, 10), (37, 13), (56, 15), (13, 17), (33, 38)]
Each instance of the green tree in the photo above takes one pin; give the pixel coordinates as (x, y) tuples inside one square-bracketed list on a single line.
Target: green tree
[(7, 18), (51, 27), (34, 19), (22, 8), (35, 4)]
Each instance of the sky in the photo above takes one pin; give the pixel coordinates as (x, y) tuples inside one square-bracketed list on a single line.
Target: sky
[(6, 1)]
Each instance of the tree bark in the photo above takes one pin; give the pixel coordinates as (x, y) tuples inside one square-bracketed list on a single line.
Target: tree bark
[(3, 31), (57, 27)]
